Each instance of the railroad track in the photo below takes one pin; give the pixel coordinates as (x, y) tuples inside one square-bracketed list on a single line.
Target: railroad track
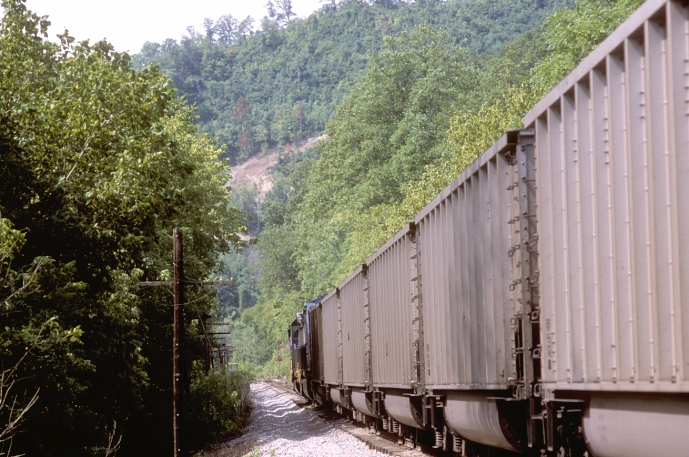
[(379, 441)]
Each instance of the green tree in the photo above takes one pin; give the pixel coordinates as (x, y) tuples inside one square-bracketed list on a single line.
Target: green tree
[(99, 163), (379, 141)]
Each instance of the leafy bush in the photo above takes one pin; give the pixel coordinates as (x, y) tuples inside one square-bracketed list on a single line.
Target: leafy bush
[(219, 405)]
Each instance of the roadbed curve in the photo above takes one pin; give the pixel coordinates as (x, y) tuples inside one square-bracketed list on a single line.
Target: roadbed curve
[(284, 426)]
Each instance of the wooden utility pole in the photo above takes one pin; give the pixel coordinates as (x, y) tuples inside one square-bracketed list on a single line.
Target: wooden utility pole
[(206, 344), (178, 345), (179, 375)]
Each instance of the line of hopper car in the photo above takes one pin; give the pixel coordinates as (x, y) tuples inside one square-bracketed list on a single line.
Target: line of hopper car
[(540, 303)]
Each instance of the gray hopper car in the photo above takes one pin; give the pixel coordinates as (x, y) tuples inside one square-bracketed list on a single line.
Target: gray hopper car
[(540, 303)]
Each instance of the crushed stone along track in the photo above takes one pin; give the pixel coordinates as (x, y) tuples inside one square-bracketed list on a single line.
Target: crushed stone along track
[(285, 426)]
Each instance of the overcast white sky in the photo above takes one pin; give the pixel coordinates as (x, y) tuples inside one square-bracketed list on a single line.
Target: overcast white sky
[(128, 24)]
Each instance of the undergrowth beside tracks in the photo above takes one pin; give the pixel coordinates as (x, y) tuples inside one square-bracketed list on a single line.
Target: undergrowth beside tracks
[(220, 406)]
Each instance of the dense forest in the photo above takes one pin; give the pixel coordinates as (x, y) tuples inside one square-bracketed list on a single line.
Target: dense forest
[(423, 110), (283, 81), (98, 163)]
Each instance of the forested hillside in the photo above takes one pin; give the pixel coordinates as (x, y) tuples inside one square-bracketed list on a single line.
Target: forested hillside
[(274, 85), (422, 112)]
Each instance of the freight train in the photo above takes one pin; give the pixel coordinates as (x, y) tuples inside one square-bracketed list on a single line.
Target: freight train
[(540, 303)]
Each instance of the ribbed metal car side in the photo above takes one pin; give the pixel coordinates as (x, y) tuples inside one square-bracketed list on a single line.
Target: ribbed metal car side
[(468, 294), (316, 343), (612, 148), (390, 294), (612, 143), (352, 302), (332, 361)]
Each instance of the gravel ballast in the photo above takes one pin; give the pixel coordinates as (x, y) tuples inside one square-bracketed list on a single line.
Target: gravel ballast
[(280, 428)]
